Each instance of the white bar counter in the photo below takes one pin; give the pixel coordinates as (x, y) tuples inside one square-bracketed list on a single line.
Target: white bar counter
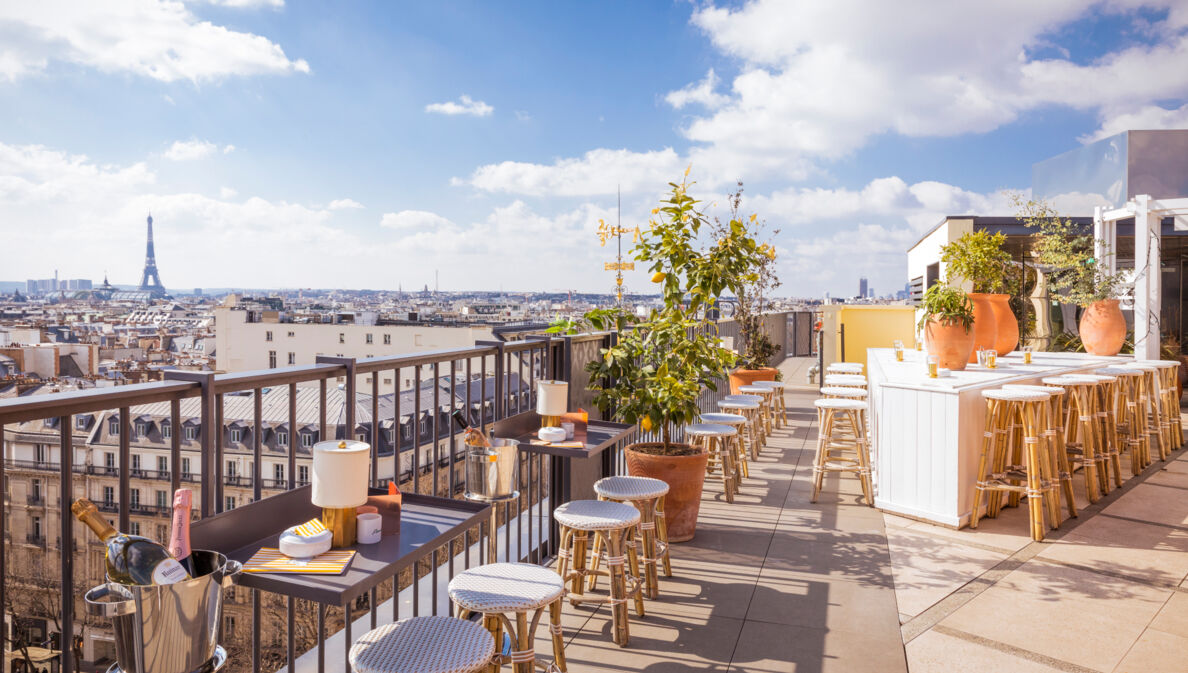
[(927, 433)]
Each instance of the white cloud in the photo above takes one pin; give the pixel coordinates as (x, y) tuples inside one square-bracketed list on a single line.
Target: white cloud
[(413, 220), (700, 93), (596, 173), (344, 204), (189, 150), (227, 193), (1145, 118), (159, 39), (248, 4), (465, 106)]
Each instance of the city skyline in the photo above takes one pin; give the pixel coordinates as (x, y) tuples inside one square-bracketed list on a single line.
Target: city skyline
[(391, 142)]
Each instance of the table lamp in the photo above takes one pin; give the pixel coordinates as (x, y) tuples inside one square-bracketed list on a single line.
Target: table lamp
[(339, 485), (552, 400)]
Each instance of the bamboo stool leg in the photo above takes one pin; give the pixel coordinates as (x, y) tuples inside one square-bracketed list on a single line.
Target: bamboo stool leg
[(580, 540), (824, 423), (595, 560), (1084, 425), (984, 459), (494, 624), (1035, 491), (636, 575), (1047, 460), (662, 536), (863, 459), (618, 587), (728, 476), (647, 530), (558, 640), (740, 456), (1063, 469)]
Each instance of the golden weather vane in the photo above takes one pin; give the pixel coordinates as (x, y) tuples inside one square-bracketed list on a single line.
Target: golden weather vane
[(605, 232)]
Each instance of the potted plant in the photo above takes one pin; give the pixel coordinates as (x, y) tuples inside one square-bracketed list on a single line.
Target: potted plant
[(1078, 275), (655, 373), (947, 323), (978, 258), (756, 349)]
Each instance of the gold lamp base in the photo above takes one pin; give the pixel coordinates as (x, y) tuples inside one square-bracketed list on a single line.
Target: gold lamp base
[(550, 421), (340, 521)]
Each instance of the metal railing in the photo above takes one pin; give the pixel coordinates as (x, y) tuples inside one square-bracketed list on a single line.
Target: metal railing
[(495, 373)]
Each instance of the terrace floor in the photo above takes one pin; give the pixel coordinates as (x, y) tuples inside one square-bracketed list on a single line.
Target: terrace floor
[(774, 583)]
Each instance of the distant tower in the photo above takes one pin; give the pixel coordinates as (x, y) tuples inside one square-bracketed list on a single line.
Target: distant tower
[(150, 281), (862, 286)]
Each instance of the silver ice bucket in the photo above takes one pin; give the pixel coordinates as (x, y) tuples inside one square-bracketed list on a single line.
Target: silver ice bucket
[(169, 628), (493, 474)]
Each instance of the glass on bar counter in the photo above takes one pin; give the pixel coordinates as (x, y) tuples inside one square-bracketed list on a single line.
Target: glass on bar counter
[(1027, 355), (933, 366), (898, 346), (991, 359)]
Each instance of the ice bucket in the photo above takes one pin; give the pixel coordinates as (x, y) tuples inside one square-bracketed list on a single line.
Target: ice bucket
[(493, 473), (169, 628)]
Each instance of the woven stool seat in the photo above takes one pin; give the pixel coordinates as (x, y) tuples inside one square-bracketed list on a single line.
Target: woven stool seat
[(596, 515), (506, 587), (754, 389), (710, 430), (434, 644), (630, 488), (1015, 395), (1051, 390), (723, 419), (843, 404), (778, 385), (1119, 371), (1097, 378), (738, 404), (1064, 380), (1162, 364), (845, 380), (837, 391), (845, 367), (1143, 366)]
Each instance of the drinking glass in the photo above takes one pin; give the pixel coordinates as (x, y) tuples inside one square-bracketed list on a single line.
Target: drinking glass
[(981, 357), (1027, 355), (933, 366), (898, 346), (992, 359)]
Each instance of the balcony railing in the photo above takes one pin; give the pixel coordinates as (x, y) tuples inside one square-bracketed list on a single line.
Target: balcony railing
[(34, 539), (427, 464), (35, 500)]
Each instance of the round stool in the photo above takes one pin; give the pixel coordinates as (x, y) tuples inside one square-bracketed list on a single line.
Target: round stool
[(435, 644), (1052, 425), (1170, 404), (646, 495), (1080, 430), (615, 522), (717, 442), (1107, 419), (768, 404), (496, 589), (1013, 460), (750, 411), (828, 413), (844, 368), (1149, 403), (756, 416), (839, 391), (778, 407), (1131, 426), (739, 423), (845, 380)]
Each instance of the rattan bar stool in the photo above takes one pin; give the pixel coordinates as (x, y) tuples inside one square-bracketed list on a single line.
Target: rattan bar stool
[(828, 458), (522, 589), (615, 523), (1131, 425), (841, 391), (1081, 442), (431, 644), (739, 423), (846, 380), (768, 404), (756, 416), (779, 408), (844, 368), (1111, 448), (1011, 416), (748, 410), (1173, 429), (646, 495), (1052, 423), (1149, 401), (719, 443)]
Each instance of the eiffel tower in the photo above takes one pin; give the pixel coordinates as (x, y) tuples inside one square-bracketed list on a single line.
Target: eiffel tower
[(150, 281)]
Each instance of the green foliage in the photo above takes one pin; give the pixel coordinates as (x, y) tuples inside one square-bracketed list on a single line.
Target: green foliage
[(945, 303), (614, 318), (657, 370), (1075, 273), (979, 258)]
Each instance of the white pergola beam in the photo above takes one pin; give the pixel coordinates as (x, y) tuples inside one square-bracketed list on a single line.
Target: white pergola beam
[(1148, 270)]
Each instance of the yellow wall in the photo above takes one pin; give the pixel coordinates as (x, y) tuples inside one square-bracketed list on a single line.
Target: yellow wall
[(866, 327)]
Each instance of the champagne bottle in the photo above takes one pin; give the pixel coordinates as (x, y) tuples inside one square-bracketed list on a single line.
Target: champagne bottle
[(131, 559), (472, 436), (179, 535)]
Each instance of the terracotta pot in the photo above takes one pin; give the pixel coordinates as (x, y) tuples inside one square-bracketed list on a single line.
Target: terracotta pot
[(985, 327), (1103, 328), (684, 475), (745, 377), (1006, 337), (950, 342)]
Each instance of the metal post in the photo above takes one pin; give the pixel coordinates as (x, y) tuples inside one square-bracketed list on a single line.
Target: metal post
[(66, 486), (206, 432)]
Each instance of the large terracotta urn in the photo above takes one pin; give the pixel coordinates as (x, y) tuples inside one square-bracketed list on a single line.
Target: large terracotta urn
[(684, 474), (1006, 337), (951, 342), (985, 327), (1103, 328), (745, 377)]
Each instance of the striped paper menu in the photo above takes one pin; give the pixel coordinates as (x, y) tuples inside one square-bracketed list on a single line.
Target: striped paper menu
[(310, 528), (270, 560)]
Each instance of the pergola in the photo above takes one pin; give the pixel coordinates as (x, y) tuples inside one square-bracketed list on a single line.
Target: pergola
[(1148, 213)]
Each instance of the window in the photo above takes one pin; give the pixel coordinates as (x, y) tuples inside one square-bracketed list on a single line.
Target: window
[(387, 339), (134, 499), (162, 499), (80, 422), (369, 339), (268, 335), (232, 468), (303, 474), (141, 430), (40, 453), (228, 625), (37, 489), (272, 359), (282, 438), (368, 379), (236, 435), (278, 473), (135, 528), (113, 428), (290, 335), (387, 382), (228, 503), (108, 495), (136, 463), (191, 432), (37, 527), (162, 534), (186, 467), (167, 430), (362, 437), (162, 464), (424, 425), (341, 338), (292, 358), (109, 461), (406, 431), (307, 440)]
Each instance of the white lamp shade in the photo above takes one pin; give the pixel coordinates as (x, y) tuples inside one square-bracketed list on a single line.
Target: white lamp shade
[(340, 471), (552, 397)]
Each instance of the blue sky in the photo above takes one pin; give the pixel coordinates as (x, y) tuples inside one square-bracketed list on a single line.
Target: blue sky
[(308, 145)]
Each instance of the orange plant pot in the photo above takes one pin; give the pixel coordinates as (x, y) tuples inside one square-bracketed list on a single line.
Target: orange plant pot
[(950, 342), (985, 327), (685, 475), (745, 377), (1006, 337), (1103, 328)]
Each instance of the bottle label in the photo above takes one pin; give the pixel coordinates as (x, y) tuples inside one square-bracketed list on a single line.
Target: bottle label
[(168, 572)]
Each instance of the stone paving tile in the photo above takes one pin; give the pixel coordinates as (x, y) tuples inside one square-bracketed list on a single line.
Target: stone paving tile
[(1173, 618), (1135, 550), (1152, 503), (1157, 652), (778, 648), (1037, 606), (935, 652), (927, 568), (1171, 478)]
